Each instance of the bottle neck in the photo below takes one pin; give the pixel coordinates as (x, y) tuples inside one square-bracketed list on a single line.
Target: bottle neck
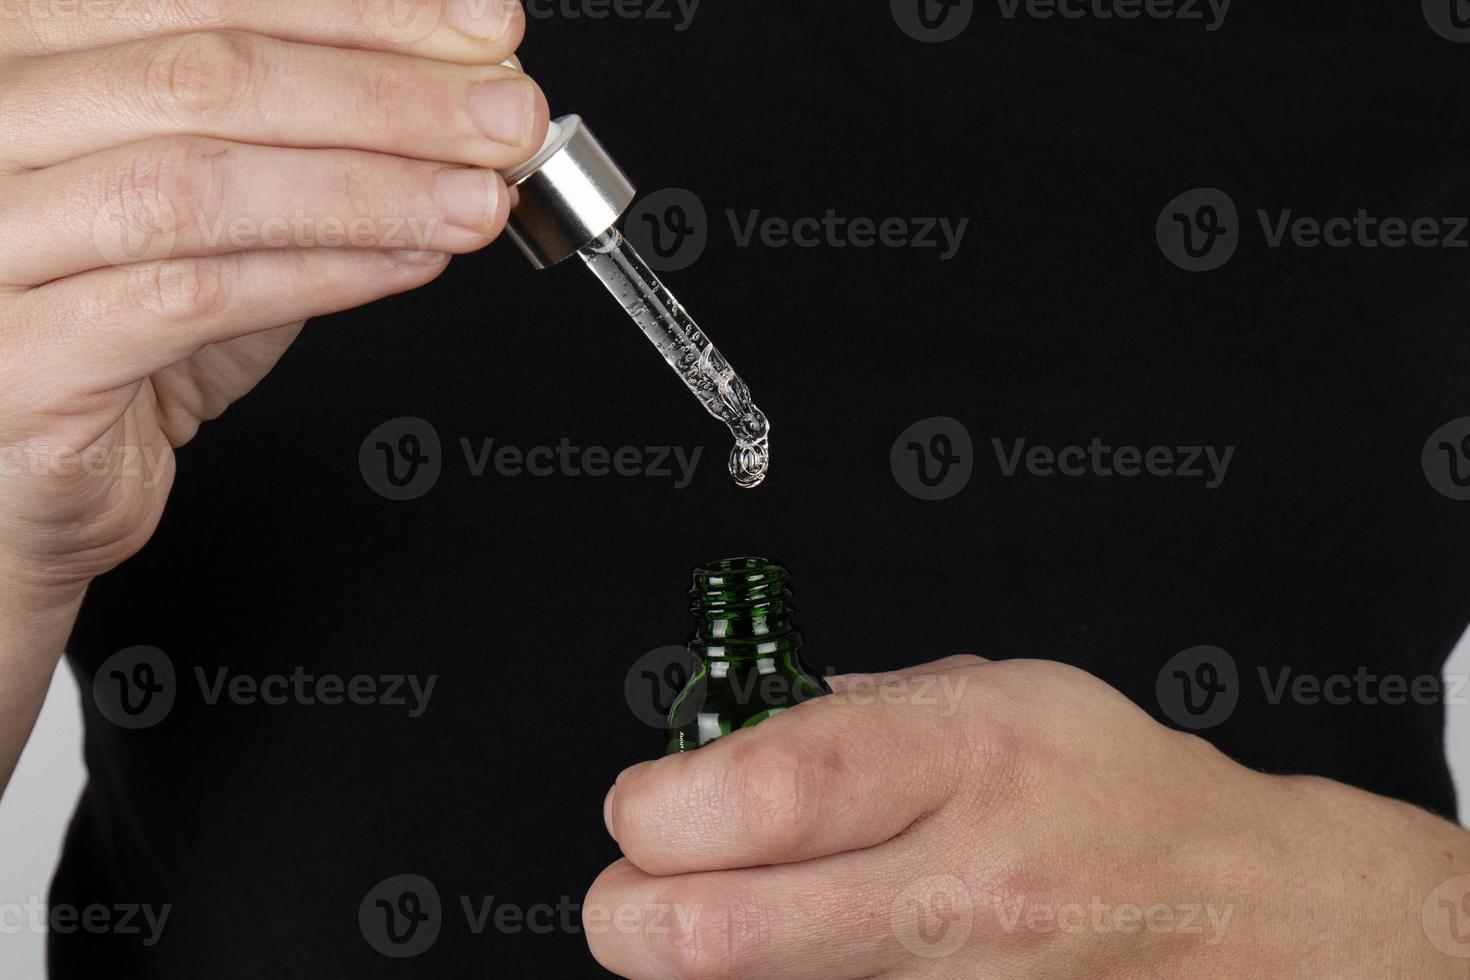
[(742, 608)]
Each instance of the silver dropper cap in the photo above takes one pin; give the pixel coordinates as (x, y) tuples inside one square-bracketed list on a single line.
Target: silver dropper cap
[(570, 192)]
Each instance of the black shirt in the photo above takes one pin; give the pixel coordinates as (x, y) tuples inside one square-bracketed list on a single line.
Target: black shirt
[(1063, 317)]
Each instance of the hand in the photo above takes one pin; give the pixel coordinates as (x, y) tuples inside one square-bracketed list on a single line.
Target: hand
[(1008, 820), (182, 185)]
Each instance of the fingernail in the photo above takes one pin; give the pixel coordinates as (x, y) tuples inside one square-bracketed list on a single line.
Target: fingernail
[(468, 197), (607, 812), (503, 109), (487, 20)]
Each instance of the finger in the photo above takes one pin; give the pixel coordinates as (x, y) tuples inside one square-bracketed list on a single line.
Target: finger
[(832, 776), (108, 328), (255, 89), (469, 31), (827, 918), (843, 682), (189, 197)]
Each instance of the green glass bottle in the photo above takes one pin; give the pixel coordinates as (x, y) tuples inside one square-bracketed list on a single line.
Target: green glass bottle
[(746, 665)]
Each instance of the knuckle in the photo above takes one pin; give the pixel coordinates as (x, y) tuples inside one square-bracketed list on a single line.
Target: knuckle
[(203, 74), (993, 760), (163, 185), (778, 788), (364, 187), (711, 934), (380, 97), (184, 291)]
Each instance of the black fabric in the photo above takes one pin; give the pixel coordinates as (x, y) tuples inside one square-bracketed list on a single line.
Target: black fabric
[(1325, 549)]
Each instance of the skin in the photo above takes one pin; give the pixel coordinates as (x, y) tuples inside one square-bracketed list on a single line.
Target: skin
[(1011, 820), (182, 186)]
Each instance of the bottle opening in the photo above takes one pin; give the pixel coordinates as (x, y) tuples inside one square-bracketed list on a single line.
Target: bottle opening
[(741, 598)]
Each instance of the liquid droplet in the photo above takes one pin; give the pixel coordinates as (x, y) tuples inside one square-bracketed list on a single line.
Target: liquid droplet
[(701, 367)]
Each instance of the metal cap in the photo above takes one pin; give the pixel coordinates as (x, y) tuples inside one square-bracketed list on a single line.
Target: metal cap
[(570, 192)]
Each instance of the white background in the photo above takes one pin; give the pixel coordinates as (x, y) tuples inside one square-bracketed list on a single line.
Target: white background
[(35, 810)]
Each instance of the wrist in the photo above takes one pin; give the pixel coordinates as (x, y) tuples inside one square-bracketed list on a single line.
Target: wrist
[(1375, 865), (36, 616)]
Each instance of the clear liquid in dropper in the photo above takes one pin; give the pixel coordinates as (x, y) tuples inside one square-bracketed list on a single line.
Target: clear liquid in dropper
[(689, 352)]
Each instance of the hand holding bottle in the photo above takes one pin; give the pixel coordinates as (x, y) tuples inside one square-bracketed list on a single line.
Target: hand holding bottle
[(1017, 819), (182, 185)]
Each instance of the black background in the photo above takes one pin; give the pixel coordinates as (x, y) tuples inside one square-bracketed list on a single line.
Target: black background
[(1325, 549)]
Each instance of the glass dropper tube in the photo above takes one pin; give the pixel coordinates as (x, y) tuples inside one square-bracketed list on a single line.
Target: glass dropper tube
[(569, 198), (696, 361)]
